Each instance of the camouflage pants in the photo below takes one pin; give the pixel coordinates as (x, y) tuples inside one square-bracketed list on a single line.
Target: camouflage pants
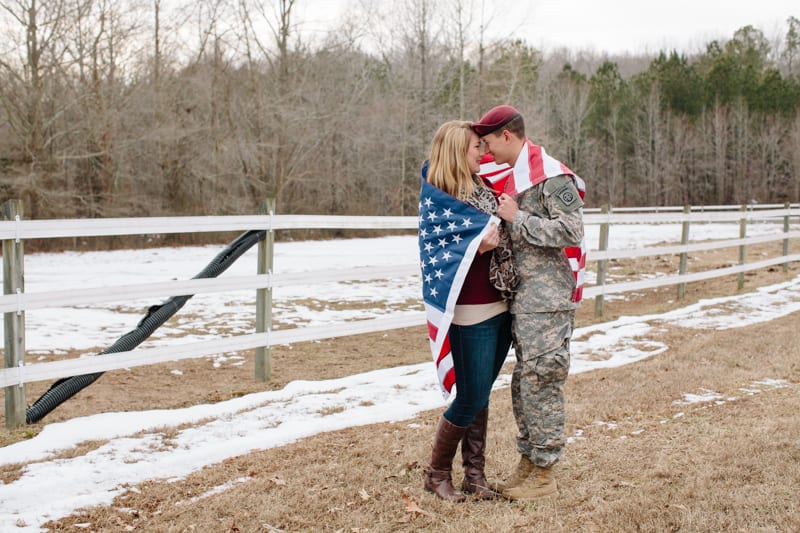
[(541, 343)]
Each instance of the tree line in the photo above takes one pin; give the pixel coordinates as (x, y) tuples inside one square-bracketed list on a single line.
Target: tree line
[(120, 108)]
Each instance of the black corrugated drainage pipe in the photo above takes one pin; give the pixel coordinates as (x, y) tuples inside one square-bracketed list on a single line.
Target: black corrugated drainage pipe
[(65, 388)]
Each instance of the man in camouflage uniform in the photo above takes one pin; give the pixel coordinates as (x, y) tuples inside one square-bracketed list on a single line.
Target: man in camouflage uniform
[(543, 220)]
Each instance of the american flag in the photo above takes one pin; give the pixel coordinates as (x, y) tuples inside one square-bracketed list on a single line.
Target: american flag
[(541, 166), (450, 232)]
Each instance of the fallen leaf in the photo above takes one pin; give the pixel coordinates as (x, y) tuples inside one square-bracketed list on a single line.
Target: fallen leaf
[(412, 507)]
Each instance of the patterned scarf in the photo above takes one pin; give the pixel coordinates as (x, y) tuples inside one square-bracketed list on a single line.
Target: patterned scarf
[(502, 268)]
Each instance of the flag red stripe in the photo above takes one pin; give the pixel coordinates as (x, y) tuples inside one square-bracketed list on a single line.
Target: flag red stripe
[(443, 354), (578, 296), (445, 350), (449, 380), (432, 331)]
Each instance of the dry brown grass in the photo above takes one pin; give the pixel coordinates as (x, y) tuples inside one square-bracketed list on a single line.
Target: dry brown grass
[(638, 461)]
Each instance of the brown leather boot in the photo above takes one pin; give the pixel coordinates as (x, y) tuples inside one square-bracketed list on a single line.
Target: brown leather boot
[(521, 473), (473, 454), (438, 479), (538, 485)]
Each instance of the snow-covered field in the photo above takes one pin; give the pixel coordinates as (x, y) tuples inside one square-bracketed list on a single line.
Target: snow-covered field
[(132, 452)]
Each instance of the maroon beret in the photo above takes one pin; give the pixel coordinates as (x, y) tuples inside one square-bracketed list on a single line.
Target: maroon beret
[(494, 119)]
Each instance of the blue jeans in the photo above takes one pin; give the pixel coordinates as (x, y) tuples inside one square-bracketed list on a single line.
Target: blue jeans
[(479, 352)]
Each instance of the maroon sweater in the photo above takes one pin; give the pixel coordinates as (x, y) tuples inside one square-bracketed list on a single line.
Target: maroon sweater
[(477, 288)]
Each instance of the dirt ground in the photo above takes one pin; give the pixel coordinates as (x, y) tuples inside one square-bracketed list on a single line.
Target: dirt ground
[(639, 462)]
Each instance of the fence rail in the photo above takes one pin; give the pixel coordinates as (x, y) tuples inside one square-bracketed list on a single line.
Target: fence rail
[(105, 227), (15, 302), (92, 295), (693, 208)]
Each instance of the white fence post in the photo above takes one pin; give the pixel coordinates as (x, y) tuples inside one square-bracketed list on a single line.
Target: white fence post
[(742, 248), (684, 255), (786, 230), (602, 265), (266, 252), (14, 321)]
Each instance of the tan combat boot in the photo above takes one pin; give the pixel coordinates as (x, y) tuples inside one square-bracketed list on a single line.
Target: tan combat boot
[(540, 483), (523, 470)]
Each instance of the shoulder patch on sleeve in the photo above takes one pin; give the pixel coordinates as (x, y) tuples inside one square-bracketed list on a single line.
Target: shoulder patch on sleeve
[(563, 192), (567, 196)]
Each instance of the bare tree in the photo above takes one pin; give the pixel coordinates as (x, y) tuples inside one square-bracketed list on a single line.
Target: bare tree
[(268, 164), (717, 135), (792, 45), (31, 64), (565, 106), (39, 27), (97, 42), (793, 148), (457, 25), (418, 56)]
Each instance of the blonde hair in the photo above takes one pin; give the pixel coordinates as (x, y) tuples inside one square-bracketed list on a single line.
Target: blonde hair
[(448, 169)]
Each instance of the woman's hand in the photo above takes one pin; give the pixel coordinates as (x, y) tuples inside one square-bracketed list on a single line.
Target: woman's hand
[(507, 207), (490, 239)]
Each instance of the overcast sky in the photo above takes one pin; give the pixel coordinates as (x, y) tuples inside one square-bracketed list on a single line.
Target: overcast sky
[(616, 27)]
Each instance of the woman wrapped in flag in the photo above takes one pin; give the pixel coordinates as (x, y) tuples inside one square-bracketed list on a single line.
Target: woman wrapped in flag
[(468, 277)]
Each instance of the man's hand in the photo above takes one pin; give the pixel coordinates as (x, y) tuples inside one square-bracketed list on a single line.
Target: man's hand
[(490, 239), (507, 207)]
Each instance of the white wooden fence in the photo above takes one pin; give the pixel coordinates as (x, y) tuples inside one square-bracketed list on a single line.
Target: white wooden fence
[(16, 301)]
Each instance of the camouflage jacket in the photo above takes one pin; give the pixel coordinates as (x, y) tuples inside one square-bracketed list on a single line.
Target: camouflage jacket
[(549, 219)]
